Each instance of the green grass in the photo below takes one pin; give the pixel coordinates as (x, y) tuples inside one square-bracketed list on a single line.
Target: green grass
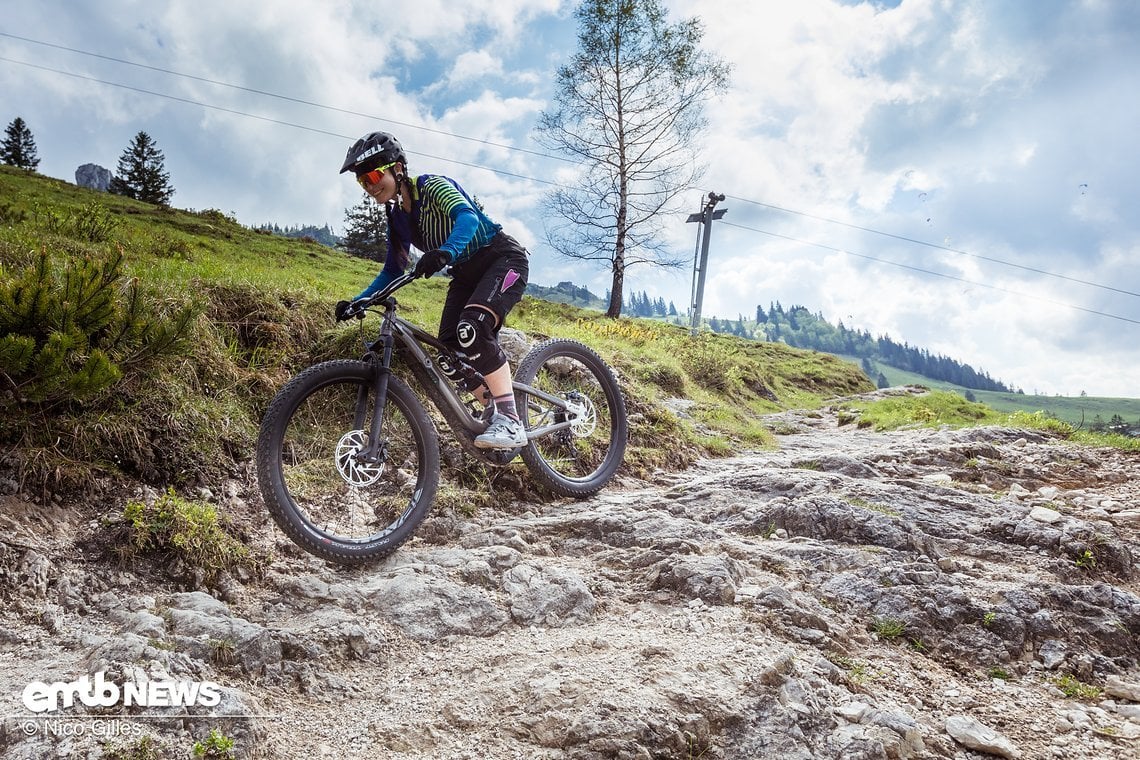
[(930, 410), (858, 501), (216, 745), (947, 408), (146, 747), (1078, 411), (888, 628), (1073, 688), (266, 313), (192, 533)]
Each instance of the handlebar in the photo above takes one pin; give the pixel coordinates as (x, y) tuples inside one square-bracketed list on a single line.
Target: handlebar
[(357, 307)]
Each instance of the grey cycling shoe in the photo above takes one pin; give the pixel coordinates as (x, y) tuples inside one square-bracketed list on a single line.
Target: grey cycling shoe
[(503, 433)]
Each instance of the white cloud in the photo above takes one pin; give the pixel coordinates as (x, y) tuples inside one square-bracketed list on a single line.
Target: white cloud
[(990, 128), (940, 121), (474, 65)]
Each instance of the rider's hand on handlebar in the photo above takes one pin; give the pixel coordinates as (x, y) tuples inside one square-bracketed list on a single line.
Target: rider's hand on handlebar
[(347, 310), (431, 262)]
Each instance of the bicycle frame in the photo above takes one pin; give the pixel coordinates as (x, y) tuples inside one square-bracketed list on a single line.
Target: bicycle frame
[(350, 457), (413, 338)]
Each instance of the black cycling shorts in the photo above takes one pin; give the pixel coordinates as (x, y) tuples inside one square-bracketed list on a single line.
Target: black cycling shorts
[(493, 278)]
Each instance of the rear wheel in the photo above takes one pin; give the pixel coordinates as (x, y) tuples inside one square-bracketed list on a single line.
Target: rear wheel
[(320, 482), (579, 459)]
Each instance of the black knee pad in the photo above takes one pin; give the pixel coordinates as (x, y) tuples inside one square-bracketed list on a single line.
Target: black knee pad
[(475, 336)]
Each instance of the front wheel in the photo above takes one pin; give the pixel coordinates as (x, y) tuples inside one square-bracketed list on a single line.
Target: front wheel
[(581, 457), (332, 493)]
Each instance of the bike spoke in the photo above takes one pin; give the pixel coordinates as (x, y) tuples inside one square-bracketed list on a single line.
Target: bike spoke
[(578, 451), (337, 490)]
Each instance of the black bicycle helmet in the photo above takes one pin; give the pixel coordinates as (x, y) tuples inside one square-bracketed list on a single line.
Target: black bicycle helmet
[(374, 150)]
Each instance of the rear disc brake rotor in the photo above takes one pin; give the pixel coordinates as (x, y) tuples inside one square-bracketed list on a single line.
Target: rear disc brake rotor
[(585, 416)]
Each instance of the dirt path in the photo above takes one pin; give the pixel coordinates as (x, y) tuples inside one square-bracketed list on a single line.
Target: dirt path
[(849, 595)]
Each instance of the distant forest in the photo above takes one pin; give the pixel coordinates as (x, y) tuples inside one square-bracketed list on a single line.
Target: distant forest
[(636, 304), (800, 328), (323, 235), (568, 292), (795, 326)]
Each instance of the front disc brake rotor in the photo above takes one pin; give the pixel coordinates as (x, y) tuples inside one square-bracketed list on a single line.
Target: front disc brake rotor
[(354, 470)]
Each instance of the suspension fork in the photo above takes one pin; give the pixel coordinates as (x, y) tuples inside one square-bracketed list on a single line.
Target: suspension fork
[(373, 452)]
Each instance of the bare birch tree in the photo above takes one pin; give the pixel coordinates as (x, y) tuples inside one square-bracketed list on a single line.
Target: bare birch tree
[(630, 108)]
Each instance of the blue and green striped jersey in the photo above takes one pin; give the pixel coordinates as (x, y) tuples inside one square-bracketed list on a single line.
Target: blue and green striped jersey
[(443, 216)]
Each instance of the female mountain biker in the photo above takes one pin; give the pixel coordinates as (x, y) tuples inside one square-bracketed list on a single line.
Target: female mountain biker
[(488, 268)]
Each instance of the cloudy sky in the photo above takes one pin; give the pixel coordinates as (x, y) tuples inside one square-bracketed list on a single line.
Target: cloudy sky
[(961, 175)]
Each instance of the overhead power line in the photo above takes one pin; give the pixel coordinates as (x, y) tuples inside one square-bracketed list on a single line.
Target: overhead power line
[(279, 96), (948, 249), (504, 146), (489, 143), (931, 272), (271, 120)]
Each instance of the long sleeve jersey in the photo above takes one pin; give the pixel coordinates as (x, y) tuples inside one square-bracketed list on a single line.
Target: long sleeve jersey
[(443, 216)]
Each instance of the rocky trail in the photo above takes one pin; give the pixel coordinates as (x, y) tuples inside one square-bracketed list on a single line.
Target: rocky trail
[(914, 594)]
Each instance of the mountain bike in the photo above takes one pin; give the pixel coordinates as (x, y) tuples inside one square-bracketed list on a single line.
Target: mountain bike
[(348, 457)]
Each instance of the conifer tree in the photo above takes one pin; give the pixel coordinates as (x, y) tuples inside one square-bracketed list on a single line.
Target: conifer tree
[(366, 233), (68, 336), (141, 173), (19, 147)]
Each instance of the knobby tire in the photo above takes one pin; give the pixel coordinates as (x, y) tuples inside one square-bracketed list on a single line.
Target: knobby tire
[(305, 448), (580, 461)]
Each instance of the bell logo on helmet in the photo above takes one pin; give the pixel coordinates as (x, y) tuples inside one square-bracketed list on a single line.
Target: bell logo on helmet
[(373, 148), (370, 152)]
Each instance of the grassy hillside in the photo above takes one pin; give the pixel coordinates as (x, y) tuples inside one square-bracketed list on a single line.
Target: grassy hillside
[(566, 292), (798, 326), (263, 311), (1075, 410), (948, 408)]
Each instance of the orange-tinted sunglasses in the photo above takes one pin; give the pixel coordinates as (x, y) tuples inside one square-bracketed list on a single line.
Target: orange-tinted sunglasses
[(372, 177)]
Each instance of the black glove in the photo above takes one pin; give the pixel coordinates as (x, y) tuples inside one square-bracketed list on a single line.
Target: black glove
[(343, 310), (431, 262)]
